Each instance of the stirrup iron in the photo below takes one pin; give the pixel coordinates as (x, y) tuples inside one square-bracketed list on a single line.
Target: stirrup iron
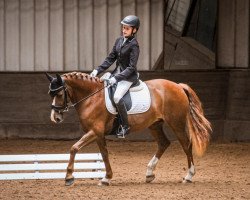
[(122, 131)]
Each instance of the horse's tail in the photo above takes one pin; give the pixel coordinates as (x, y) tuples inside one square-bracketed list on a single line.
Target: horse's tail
[(199, 127)]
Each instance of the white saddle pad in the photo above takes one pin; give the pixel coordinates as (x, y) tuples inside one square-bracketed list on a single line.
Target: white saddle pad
[(140, 97)]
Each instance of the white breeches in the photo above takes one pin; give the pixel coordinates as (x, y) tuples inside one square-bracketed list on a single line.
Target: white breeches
[(122, 88)]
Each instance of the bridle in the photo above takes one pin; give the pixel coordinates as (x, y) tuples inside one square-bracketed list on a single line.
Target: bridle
[(65, 107), (53, 93)]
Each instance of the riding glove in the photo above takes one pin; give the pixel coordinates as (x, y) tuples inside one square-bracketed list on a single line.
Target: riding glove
[(112, 81), (94, 73)]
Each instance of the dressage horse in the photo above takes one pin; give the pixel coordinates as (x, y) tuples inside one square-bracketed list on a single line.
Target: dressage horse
[(171, 103)]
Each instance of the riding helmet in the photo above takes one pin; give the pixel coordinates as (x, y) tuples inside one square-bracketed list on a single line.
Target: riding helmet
[(131, 20)]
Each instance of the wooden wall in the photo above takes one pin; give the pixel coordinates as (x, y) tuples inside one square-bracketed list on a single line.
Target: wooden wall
[(233, 39), (25, 105), (57, 35)]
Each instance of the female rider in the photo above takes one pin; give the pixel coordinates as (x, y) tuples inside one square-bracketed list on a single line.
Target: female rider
[(125, 52)]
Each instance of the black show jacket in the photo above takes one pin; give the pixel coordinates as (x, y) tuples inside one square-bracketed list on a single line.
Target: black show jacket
[(126, 57)]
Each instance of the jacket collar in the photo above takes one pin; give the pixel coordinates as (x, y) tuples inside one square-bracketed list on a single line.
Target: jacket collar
[(129, 39)]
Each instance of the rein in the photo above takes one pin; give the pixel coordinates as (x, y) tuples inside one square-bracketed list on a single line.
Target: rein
[(85, 98)]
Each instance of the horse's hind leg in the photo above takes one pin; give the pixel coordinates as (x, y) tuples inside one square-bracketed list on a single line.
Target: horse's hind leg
[(179, 124), (157, 131), (187, 147)]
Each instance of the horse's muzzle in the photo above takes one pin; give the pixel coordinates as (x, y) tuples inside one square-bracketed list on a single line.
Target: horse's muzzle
[(56, 117)]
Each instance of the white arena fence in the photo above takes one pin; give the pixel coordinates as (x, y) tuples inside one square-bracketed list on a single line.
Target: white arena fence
[(50, 166)]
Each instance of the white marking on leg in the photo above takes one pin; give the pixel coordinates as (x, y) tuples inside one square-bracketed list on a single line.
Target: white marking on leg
[(190, 174), (104, 181), (151, 166)]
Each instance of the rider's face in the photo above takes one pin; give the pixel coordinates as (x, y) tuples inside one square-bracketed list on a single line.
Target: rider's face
[(127, 30)]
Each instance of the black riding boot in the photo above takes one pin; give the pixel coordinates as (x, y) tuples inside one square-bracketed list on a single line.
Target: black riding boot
[(124, 128)]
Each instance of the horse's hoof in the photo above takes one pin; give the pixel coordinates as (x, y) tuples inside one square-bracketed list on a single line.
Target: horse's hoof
[(150, 178), (186, 181), (69, 182), (103, 183)]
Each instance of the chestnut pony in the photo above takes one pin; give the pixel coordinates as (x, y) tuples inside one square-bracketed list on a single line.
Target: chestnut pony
[(171, 103)]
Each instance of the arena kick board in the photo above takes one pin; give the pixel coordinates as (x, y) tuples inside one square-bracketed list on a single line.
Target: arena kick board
[(50, 166)]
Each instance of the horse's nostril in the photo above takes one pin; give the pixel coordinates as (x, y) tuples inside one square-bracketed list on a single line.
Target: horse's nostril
[(58, 119)]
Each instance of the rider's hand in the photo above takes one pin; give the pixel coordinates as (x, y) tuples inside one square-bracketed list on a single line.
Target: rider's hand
[(94, 73), (112, 81)]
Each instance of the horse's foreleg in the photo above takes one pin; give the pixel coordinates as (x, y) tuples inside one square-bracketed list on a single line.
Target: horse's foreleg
[(163, 143), (103, 149), (85, 140)]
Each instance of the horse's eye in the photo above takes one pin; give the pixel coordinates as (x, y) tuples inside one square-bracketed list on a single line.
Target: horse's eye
[(59, 94)]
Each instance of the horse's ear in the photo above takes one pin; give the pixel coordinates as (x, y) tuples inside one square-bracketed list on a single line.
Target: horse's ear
[(49, 77), (59, 79)]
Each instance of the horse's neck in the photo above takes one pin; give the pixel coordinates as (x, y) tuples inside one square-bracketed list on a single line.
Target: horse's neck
[(79, 89)]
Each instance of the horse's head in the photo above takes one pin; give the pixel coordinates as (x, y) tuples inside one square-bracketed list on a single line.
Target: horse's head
[(58, 92)]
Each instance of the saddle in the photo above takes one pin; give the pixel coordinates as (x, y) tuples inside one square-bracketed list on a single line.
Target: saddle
[(137, 100), (126, 98)]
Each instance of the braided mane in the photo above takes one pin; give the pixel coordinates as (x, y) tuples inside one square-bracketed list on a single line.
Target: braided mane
[(81, 76)]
